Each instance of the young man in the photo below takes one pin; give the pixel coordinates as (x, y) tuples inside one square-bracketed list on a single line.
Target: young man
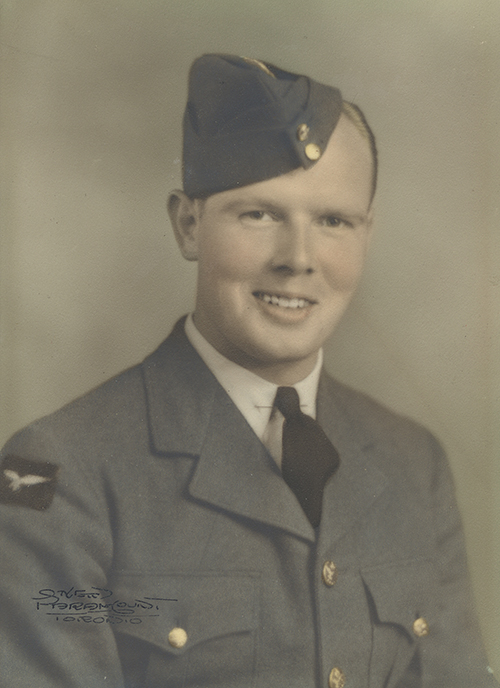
[(225, 514)]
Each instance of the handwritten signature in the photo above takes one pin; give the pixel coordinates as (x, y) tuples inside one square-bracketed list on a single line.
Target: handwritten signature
[(97, 605)]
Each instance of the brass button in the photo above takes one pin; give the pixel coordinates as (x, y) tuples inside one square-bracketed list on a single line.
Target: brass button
[(329, 574), (302, 132), (336, 678), (177, 637), (421, 627), (312, 151)]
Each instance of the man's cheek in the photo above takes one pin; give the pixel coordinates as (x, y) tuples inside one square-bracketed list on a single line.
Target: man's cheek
[(344, 272)]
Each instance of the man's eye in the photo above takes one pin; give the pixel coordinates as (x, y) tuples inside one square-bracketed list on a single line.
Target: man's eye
[(258, 215), (332, 221)]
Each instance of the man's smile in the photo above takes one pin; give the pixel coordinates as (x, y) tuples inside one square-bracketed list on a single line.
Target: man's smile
[(283, 301)]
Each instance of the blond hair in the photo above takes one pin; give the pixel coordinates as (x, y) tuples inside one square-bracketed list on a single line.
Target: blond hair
[(356, 116)]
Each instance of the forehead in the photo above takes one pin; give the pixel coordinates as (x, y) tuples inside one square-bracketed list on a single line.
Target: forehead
[(342, 174)]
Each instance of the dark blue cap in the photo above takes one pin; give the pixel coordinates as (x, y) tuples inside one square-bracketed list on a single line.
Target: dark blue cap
[(247, 121)]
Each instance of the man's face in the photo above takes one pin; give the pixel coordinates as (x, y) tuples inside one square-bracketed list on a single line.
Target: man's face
[(279, 260)]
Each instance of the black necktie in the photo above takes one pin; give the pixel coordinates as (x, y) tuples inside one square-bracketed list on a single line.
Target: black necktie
[(309, 458)]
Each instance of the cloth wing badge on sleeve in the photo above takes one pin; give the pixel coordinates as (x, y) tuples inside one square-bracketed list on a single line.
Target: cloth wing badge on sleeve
[(27, 483)]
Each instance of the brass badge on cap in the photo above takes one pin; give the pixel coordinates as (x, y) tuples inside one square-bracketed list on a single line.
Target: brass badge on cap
[(27, 483), (302, 132), (336, 678), (421, 627)]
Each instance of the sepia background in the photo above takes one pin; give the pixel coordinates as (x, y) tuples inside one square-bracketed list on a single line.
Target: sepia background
[(91, 280)]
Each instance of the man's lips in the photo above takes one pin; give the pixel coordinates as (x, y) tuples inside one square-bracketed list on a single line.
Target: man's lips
[(282, 301)]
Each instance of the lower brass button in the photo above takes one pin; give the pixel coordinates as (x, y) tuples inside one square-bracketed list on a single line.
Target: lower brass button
[(421, 627), (336, 678), (329, 573), (312, 151), (177, 637)]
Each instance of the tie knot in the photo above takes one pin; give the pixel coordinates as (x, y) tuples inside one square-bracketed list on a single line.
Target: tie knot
[(287, 401)]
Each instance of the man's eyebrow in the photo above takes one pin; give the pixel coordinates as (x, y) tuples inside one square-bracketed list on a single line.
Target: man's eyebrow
[(353, 217), (255, 201)]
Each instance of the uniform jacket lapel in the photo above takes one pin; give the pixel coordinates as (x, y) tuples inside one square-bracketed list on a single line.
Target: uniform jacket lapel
[(190, 414), (358, 483)]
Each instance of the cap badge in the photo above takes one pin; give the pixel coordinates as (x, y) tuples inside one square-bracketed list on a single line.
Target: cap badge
[(421, 628), (302, 132)]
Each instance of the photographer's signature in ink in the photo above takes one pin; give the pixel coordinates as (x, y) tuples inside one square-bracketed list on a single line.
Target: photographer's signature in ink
[(97, 606)]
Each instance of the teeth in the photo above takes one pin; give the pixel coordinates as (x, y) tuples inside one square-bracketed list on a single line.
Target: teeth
[(283, 302)]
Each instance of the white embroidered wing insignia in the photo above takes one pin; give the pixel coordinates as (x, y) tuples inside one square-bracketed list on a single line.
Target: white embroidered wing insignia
[(25, 481)]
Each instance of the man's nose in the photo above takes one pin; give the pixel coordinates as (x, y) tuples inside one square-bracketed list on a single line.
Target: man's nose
[(294, 248)]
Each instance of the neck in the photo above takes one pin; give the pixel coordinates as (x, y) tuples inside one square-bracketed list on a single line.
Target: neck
[(284, 374)]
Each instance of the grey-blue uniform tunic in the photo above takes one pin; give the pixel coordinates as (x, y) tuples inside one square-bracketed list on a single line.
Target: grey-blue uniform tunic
[(173, 553)]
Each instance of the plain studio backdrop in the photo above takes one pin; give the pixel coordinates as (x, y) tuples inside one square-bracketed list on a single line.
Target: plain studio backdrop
[(92, 99)]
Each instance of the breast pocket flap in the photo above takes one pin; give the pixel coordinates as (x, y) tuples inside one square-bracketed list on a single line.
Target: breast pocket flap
[(402, 594), (177, 612)]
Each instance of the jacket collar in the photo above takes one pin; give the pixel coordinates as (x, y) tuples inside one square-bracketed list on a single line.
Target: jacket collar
[(358, 483), (190, 414)]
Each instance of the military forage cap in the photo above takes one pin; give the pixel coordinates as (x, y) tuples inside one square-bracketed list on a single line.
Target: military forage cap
[(247, 121)]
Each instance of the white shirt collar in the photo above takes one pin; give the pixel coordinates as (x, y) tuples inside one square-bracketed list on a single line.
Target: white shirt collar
[(252, 395)]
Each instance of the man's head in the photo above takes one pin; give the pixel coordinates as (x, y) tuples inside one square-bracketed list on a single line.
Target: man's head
[(280, 255)]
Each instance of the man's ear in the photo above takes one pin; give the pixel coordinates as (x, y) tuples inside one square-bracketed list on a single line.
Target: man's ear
[(184, 216)]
